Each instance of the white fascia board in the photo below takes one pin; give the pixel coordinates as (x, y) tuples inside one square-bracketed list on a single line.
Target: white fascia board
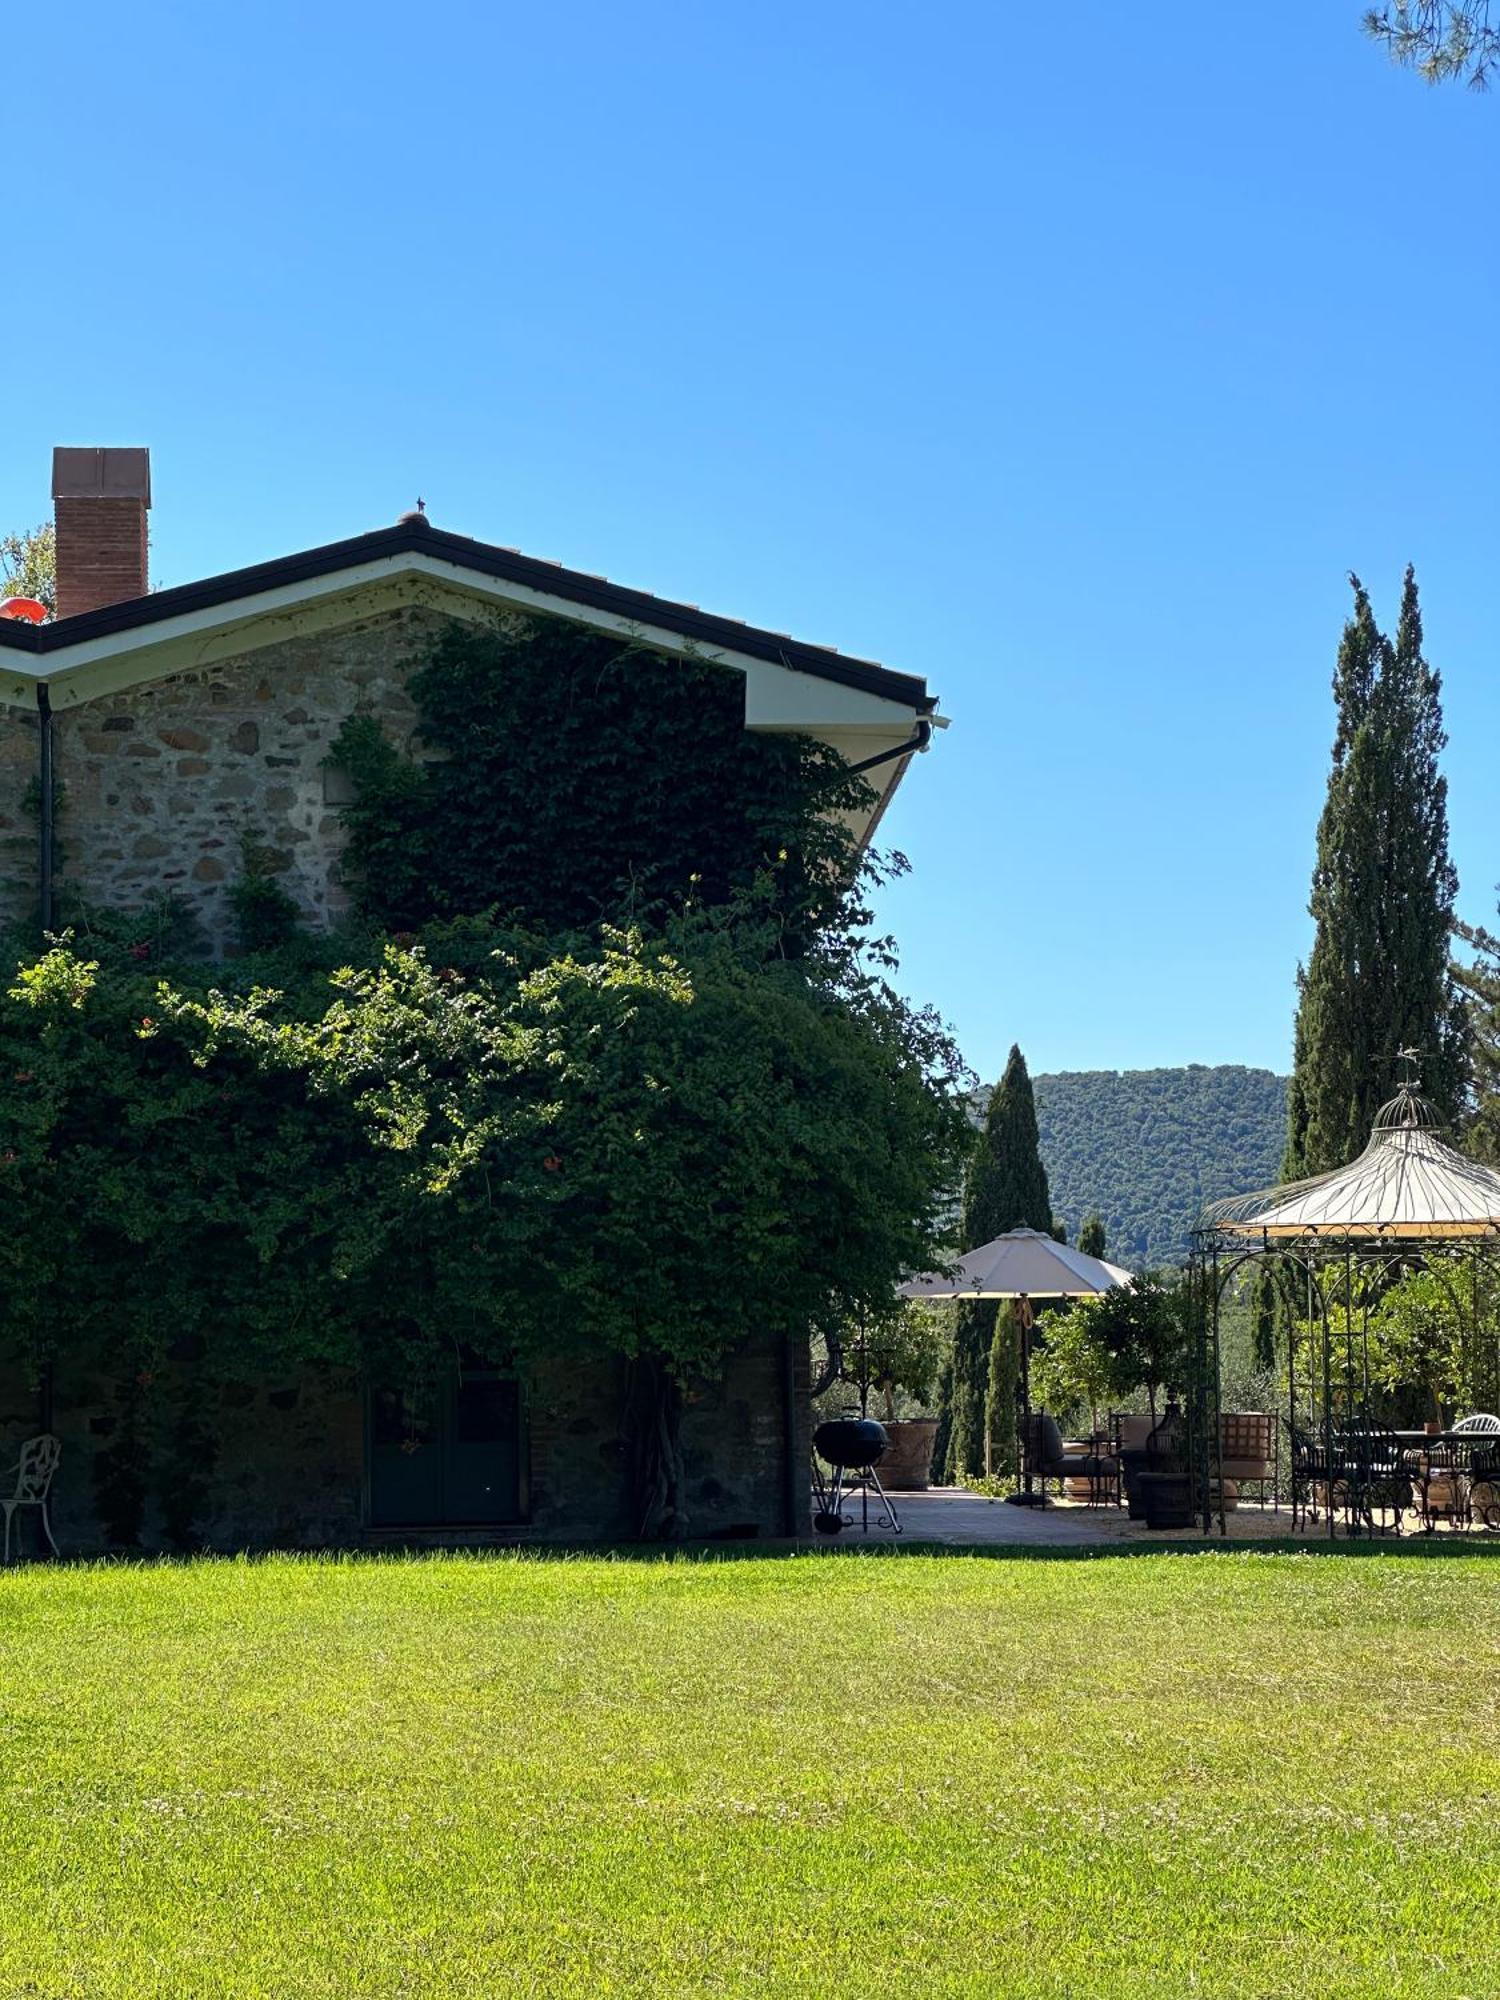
[(776, 697)]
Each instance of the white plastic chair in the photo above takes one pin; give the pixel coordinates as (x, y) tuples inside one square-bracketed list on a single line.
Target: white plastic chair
[(33, 1470), (1479, 1425)]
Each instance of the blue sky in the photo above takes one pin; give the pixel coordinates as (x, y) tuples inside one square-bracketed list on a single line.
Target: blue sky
[(1067, 356)]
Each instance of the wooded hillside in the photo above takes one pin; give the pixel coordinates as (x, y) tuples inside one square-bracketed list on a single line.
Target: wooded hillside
[(1148, 1147)]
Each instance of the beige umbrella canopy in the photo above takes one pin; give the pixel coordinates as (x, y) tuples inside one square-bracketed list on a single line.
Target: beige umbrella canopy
[(1021, 1264), (1407, 1185)]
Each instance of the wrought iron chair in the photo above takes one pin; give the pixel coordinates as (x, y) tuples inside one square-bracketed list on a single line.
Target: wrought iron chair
[(1484, 1485), (33, 1470), (1484, 1466), (1374, 1480), (1045, 1456), (1312, 1483)]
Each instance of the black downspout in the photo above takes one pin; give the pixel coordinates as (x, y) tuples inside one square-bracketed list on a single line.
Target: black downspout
[(919, 739), (44, 804), (46, 1401)]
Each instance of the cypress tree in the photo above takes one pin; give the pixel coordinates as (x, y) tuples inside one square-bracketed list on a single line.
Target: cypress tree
[(1091, 1236), (999, 1435), (1006, 1189), (1427, 1010), (1378, 978), (1480, 981)]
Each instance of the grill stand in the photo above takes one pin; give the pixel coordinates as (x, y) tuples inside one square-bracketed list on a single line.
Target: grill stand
[(830, 1495)]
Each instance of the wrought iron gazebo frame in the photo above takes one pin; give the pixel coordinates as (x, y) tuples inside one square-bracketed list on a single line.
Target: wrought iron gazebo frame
[(1331, 1269)]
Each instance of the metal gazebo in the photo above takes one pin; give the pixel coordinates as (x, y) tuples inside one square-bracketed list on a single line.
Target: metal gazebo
[(1332, 1245)]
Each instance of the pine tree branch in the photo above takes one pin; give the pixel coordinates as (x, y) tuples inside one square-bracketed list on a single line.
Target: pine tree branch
[(1439, 39)]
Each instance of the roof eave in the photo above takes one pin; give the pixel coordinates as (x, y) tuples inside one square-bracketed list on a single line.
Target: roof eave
[(481, 559)]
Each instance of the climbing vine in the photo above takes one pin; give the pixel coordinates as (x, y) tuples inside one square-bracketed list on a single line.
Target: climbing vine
[(566, 779), (655, 1145)]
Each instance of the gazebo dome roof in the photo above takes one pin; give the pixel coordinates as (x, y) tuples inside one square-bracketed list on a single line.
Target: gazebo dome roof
[(1408, 1184)]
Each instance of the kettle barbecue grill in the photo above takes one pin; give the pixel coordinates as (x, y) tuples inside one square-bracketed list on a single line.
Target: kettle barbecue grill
[(853, 1447)]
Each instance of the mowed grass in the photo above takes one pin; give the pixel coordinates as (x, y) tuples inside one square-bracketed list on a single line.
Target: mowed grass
[(1228, 1774)]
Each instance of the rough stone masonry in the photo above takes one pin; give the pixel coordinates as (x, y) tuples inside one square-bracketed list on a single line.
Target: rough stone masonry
[(161, 786)]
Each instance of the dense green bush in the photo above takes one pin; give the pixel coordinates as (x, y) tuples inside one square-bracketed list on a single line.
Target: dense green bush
[(1428, 1336)]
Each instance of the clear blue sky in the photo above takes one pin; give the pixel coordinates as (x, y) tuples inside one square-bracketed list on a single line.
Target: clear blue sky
[(1069, 356)]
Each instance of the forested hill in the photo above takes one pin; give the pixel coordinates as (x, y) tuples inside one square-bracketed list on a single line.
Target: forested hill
[(1147, 1147)]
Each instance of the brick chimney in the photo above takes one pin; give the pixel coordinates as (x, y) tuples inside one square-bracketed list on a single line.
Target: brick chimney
[(100, 495)]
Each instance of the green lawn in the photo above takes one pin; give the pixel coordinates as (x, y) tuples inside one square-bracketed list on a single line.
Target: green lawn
[(1224, 1774)]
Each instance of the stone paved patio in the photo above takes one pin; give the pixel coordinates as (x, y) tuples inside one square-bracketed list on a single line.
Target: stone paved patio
[(952, 1514)]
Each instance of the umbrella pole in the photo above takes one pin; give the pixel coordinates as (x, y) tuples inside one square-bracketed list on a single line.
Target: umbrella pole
[(1027, 1495)]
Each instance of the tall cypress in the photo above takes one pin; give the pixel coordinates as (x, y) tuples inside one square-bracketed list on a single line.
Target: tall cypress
[(1480, 981), (1426, 1011), (1378, 977), (1006, 1189)]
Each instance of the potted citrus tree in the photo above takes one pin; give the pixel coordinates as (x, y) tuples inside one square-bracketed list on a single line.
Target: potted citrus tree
[(1147, 1324), (1131, 1340), (1076, 1373)]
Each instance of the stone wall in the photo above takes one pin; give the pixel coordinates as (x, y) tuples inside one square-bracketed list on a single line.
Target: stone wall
[(162, 784), (283, 1462), (283, 1468), (733, 1432), (19, 856)]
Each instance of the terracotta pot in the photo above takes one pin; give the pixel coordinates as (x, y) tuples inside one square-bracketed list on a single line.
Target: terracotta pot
[(907, 1464)]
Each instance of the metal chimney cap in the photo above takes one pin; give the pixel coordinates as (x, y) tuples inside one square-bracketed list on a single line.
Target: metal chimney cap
[(101, 472)]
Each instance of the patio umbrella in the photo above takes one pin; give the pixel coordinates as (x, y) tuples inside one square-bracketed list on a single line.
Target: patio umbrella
[(1022, 1264)]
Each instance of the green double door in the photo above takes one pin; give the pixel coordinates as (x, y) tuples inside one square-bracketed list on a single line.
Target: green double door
[(446, 1456)]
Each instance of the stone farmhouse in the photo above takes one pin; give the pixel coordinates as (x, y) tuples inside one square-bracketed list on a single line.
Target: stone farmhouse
[(143, 736)]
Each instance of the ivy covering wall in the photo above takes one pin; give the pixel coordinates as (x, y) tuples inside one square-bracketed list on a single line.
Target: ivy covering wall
[(570, 779), (607, 1066)]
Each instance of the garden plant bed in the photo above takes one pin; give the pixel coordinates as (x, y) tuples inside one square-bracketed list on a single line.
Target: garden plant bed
[(1236, 1773)]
